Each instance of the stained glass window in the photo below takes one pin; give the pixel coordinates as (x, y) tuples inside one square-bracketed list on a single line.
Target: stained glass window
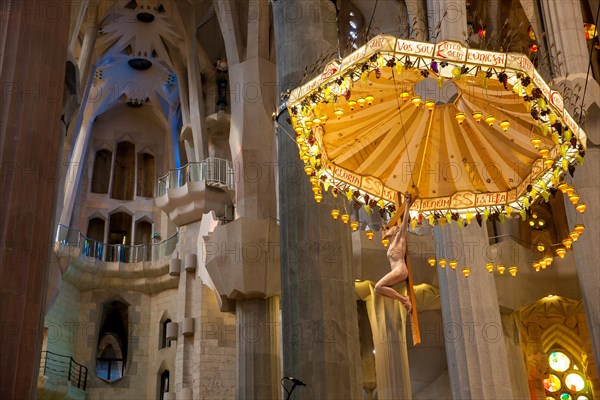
[(552, 383), (559, 361), (564, 379), (575, 382)]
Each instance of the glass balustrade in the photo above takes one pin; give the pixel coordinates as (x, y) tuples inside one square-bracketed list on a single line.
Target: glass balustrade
[(216, 172)]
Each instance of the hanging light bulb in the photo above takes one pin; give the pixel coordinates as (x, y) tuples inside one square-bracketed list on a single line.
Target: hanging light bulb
[(544, 152), (431, 261), (385, 242), (305, 157), (304, 147), (561, 251), (567, 242), (317, 121), (345, 218), (354, 225), (308, 169), (318, 196), (298, 128), (416, 101), (370, 234), (540, 247), (466, 271), (513, 270), (504, 124), (460, 117), (580, 207), (490, 267), (339, 112), (569, 190), (352, 104), (477, 115), (308, 123), (369, 98), (536, 266), (574, 236), (404, 95), (430, 104), (442, 262), (501, 268), (579, 228), (490, 119), (548, 163), (313, 180), (453, 264), (536, 142), (548, 260), (361, 102), (563, 187), (574, 197), (335, 213), (543, 264)]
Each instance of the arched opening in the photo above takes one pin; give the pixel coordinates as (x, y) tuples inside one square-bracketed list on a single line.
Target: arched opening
[(124, 172), (163, 384), (145, 176), (119, 234), (143, 232), (111, 355), (163, 341), (101, 172), (95, 229)]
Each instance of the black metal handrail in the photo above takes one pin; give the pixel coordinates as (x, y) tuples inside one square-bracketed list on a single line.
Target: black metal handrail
[(61, 366)]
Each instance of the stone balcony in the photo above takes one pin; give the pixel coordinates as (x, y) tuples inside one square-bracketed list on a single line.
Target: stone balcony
[(186, 193)]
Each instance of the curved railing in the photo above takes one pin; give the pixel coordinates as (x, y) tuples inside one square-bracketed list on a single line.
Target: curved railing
[(214, 171), (115, 252), (63, 367)]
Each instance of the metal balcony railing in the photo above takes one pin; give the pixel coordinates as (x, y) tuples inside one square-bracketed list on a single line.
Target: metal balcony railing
[(214, 171), (115, 252), (62, 367)]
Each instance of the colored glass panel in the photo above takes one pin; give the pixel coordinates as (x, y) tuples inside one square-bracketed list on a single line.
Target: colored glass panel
[(565, 396), (552, 383), (559, 361), (575, 382)]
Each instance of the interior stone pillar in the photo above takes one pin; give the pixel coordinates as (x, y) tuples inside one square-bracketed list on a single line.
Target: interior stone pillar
[(33, 53), (475, 349), (87, 49), (258, 371), (447, 20), (319, 319), (563, 23), (391, 354)]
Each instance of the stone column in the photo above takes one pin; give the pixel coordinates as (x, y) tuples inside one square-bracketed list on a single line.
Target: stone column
[(475, 349), (563, 23), (389, 338), (447, 20), (319, 319), (87, 51), (32, 71), (258, 371)]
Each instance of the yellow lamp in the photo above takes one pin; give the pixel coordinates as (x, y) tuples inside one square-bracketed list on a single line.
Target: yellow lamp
[(304, 147), (563, 187), (318, 197), (442, 262), (370, 234), (490, 267), (569, 190), (574, 235), (453, 264), (431, 261), (501, 268), (561, 251), (540, 247), (404, 96), (300, 139), (369, 98), (548, 260), (308, 169), (352, 104), (308, 123), (504, 124), (490, 119), (345, 218), (313, 180), (385, 242), (574, 197), (536, 142), (477, 115), (567, 242), (513, 270), (548, 163), (361, 102), (544, 152), (354, 225), (430, 104), (317, 121), (579, 228), (466, 271), (536, 266), (305, 157), (542, 264), (299, 128), (580, 207), (460, 117), (416, 101), (335, 213), (339, 112)]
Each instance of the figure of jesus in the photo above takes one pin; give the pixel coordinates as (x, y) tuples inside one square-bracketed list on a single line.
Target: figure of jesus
[(396, 253)]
